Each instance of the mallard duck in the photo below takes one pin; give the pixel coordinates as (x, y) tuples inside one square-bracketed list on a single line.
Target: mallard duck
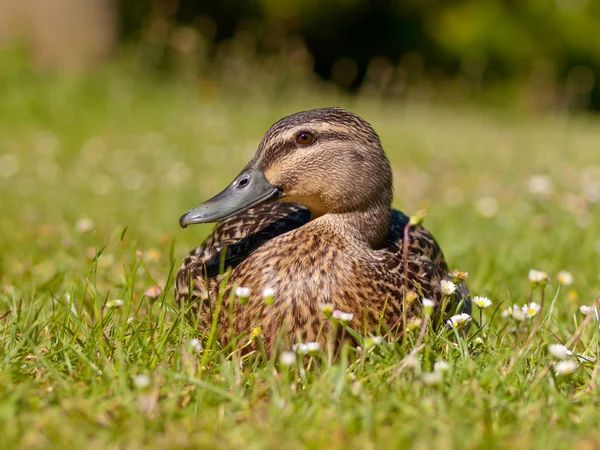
[(310, 219)]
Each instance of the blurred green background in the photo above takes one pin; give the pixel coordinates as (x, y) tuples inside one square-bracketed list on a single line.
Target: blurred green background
[(536, 54), (545, 53)]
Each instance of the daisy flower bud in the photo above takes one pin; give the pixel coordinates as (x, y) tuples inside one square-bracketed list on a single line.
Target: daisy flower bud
[(117, 303), (478, 341), (458, 276), (243, 294), (269, 296), (255, 332), (537, 278), (417, 218), (428, 305), (326, 309)]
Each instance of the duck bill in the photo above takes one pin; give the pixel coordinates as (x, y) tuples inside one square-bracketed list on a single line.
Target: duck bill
[(250, 188)]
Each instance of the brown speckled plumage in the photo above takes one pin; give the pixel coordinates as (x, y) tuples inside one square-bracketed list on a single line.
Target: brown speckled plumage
[(350, 254)]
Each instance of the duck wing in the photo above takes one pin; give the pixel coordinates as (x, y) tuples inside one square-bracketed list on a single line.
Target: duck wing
[(232, 240), (426, 262)]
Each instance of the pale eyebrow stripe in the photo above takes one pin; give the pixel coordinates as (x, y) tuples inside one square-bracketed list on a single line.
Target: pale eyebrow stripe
[(315, 127)]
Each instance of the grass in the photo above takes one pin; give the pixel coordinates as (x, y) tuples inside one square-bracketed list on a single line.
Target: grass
[(131, 153)]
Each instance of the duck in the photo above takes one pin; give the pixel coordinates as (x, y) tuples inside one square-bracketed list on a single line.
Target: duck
[(309, 224)]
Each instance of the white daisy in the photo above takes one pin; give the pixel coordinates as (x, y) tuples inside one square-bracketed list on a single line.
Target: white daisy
[(448, 287), (482, 302), (487, 206), (300, 348), (241, 291), (559, 351), (565, 278), (459, 320), (414, 324), (540, 184), (195, 345), (531, 309), (313, 347), (153, 292), (84, 225), (518, 313), (141, 381), (377, 340), (287, 358), (432, 378), (441, 366), (343, 317), (565, 367), (412, 362)]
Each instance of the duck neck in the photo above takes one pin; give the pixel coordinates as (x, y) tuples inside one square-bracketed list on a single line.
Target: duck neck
[(369, 226)]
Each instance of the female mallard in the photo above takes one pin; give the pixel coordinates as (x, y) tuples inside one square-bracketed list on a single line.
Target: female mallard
[(310, 217)]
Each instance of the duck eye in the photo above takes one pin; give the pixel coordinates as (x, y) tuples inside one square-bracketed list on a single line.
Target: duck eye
[(305, 138)]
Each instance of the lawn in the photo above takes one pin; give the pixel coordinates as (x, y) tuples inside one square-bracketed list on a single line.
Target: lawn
[(94, 174)]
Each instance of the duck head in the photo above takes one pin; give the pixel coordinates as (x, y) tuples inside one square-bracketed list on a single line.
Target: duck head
[(329, 160)]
